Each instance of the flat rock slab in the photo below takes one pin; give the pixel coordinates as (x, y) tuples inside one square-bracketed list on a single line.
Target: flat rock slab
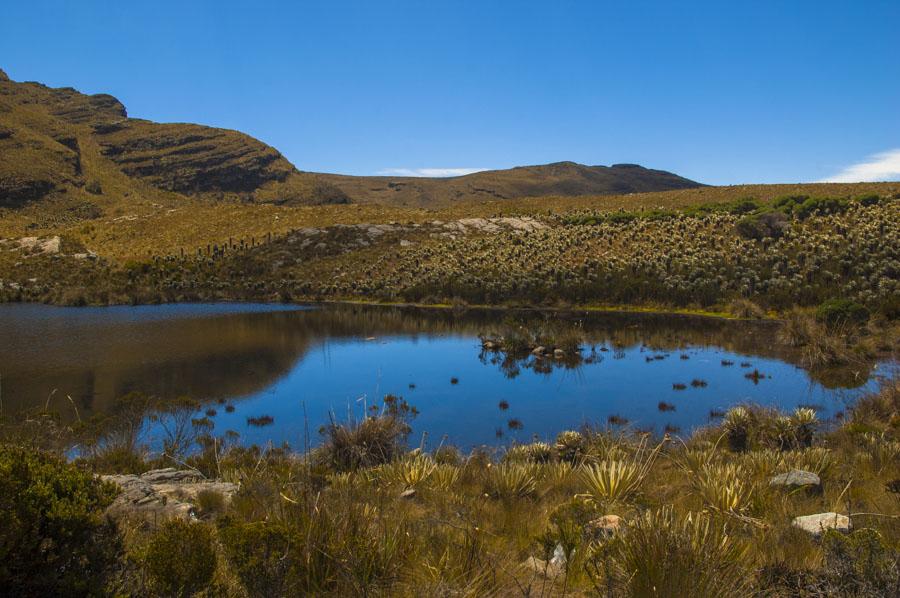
[(796, 477), (162, 494), (821, 522)]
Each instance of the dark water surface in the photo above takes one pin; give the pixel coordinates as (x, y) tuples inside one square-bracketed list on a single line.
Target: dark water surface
[(284, 361)]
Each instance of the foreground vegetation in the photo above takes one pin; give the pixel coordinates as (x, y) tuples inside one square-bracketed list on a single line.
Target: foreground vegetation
[(597, 512)]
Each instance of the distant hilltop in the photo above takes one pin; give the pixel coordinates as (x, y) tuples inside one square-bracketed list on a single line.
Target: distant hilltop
[(56, 141), (559, 178)]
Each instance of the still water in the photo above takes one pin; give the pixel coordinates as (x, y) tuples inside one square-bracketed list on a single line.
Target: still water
[(302, 365)]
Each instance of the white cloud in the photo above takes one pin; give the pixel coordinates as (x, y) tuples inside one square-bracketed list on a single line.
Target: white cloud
[(428, 172), (884, 166)]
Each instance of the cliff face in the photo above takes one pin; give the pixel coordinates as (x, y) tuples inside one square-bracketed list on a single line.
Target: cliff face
[(45, 132)]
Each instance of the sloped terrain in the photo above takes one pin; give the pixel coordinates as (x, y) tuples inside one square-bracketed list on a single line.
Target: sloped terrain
[(45, 134), (560, 178)]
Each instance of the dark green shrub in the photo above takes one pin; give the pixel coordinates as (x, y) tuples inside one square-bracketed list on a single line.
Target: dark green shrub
[(260, 554), (868, 199), (93, 187), (745, 205), (54, 537), (180, 558), (838, 311), (760, 226), (820, 205), (787, 203), (860, 564)]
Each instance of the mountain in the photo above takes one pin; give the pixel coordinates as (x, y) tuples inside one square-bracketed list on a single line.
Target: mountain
[(58, 142), (559, 178)]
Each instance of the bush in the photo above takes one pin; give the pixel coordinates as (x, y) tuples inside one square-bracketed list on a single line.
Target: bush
[(860, 564), (841, 311), (760, 226), (258, 554), (180, 558), (373, 441), (54, 538), (93, 187)]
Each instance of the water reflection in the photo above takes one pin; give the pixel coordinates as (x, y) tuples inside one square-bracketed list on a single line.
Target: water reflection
[(270, 358)]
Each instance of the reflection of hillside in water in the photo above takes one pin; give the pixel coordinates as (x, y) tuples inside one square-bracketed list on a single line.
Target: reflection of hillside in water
[(96, 359)]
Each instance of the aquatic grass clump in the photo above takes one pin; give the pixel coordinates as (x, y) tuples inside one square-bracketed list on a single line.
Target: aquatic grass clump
[(260, 421), (374, 440)]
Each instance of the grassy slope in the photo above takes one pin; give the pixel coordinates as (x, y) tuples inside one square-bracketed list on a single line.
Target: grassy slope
[(561, 178), (140, 220)]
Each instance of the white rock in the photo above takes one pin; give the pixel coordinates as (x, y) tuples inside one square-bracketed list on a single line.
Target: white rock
[(821, 522)]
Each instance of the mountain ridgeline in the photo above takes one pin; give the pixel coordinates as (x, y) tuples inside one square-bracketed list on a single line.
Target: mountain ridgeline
[(59, 142)]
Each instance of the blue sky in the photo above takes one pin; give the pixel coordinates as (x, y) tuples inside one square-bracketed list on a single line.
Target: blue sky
[(721, 92)]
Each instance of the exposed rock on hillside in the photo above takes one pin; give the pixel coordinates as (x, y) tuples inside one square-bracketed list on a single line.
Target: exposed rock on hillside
[(44, 132)]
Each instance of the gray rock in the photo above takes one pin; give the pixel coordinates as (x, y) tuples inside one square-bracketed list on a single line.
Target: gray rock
[(558, 353), (796, 477), (820, 522), (163, 494), (408, 493), (538, 350)]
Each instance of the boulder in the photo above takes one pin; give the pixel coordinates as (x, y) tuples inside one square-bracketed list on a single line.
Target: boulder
[(821, 522), (558, 353), (796, 478), (539, 350), (162, 494)]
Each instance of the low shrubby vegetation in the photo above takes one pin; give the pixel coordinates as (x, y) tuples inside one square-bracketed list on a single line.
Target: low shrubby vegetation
[(594, 512), (747, 257)]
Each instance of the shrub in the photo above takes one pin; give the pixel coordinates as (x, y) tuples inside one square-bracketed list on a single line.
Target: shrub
[(180, 558), (54, 538), (93, 187), (860, 564), (840, 311), (760, 226), (370, 442), (258, 554)]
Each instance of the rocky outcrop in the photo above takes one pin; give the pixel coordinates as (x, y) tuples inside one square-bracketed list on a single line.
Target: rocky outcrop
[(163, 494), (192, 158), (43, 131)]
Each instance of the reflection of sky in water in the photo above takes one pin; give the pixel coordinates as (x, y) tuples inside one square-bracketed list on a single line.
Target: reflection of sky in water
[(267, 361), (335, 375)]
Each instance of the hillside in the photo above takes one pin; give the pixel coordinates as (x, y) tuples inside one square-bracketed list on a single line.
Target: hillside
[(560, 178), (62, 144), (86, 151)]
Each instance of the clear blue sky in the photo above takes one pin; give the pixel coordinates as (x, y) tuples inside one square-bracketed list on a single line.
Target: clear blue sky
[(723, 92)]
